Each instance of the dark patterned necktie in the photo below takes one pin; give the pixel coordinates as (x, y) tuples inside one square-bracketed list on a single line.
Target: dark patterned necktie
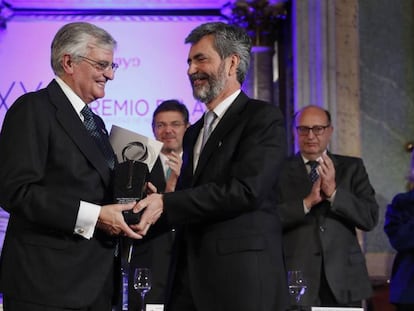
[(99, 135), (209, 118), (313, 175)]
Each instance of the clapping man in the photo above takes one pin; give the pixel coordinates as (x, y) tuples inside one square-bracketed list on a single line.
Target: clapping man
[(323, 198)]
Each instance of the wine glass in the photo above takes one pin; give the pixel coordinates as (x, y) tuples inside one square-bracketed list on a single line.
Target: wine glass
[(142, 283), (297, 286)]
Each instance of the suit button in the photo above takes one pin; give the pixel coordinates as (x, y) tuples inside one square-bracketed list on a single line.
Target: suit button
[(321, 228)]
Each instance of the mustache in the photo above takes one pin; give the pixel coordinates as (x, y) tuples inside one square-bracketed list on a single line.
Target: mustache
[(197, 76)]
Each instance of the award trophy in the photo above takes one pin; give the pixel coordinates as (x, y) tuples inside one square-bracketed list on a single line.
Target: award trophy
[(130, 178)]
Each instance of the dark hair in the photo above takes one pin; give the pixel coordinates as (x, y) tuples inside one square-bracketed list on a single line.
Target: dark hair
[(228, 40), (171, 105)]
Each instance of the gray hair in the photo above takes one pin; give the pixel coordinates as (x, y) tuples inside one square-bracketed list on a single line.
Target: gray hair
[(228, 40), (76, 39)]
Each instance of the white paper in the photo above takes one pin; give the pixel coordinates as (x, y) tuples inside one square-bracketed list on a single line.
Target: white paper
[(336, 309), (154, 307), (124, 141)]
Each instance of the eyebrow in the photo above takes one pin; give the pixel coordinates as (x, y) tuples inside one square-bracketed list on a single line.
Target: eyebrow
[(196, 56)]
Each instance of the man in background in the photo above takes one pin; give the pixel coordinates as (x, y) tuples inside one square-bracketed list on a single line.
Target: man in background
[(56, 183), (399, 227), (169, 123), (323, 198), (228, 251)]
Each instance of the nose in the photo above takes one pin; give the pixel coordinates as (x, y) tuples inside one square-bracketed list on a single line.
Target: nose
[(311, 134), (109, 74), (192, 68), (168, 128)]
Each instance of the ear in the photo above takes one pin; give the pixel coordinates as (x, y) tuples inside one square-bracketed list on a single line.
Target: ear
[(67, 63), (234, 64)]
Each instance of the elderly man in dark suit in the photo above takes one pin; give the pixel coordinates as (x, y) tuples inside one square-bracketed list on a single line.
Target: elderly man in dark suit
[(229, 248), (56, 183), (323, 198)]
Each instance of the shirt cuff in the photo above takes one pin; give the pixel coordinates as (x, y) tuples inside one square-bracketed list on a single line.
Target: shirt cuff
[(305, 209), (332, 197), (87, 218)]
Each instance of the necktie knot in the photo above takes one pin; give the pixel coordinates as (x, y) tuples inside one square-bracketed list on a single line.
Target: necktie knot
[(313, 164), (209, 118), (87, 112)]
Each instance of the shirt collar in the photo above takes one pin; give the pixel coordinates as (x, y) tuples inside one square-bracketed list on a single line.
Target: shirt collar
[(74, 99), (305, 160), (225, 104)]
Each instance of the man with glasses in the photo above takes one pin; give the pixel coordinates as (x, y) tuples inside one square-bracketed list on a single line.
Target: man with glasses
[(323, 198), (56, 183), (169, 123)]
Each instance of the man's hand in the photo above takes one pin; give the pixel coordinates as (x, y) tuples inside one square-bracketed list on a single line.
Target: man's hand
[(326, 170), (154, 206), (314, 197), (150, 188), (112, 221), (174, 162)]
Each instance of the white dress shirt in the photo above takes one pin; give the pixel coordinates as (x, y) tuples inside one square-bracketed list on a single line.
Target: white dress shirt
[(88, 213)]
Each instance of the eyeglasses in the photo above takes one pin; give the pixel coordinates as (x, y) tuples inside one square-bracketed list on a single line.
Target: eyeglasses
[(316, 129), (101, 65), (175, 125)]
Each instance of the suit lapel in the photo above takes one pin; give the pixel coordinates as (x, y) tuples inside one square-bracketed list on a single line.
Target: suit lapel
[(70, 121), (157, 176), (227, 123), (189, 141), (299, 174)]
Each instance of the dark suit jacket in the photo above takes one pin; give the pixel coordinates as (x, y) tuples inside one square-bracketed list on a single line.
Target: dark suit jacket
[(399, 227), (48, 163), (327, 234), (231, 234), (153, 253)]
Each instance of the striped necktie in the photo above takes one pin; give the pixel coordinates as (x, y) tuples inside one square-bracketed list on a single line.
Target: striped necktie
[(209, 118), (99, 135), (313, 175)]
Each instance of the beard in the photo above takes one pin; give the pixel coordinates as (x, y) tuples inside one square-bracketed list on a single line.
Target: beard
[(214, 86)]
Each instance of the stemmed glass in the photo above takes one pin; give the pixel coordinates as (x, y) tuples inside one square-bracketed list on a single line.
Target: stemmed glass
[(142, 283), (297, 286)]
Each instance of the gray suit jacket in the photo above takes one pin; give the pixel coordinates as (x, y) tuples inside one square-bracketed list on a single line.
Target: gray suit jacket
[(327, 234), (48, 163), (231, 233)]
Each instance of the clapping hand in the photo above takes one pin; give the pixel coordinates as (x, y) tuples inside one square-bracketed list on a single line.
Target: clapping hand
[(326, 170)]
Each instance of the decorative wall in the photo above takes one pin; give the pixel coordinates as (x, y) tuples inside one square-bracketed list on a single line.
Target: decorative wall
[(386, 62)]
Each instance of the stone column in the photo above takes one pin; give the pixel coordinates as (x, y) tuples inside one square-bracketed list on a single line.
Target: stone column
[(326, 69), (259, 80), (262, 20)]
